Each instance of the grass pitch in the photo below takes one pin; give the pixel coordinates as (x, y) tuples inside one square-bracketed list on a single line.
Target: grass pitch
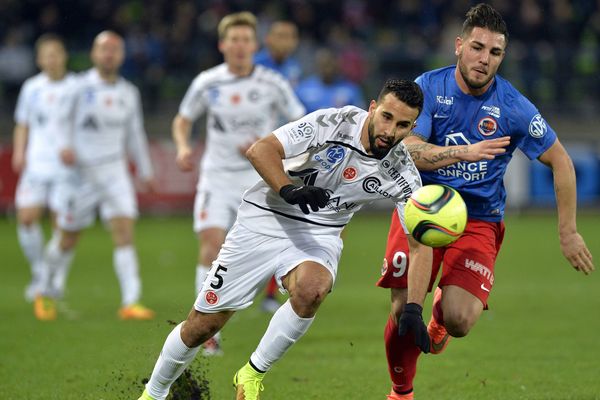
[(539, 340)]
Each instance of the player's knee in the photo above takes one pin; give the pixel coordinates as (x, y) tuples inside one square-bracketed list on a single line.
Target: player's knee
[(197, 330), (307, 298), (459, 323), (27, 219)]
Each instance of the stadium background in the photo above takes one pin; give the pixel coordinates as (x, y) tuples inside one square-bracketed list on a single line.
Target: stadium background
[(538, 341), (553, 58)]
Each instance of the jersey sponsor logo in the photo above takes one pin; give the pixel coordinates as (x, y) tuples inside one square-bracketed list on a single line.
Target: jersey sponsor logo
[(480, 269), (90, 123), (335, 154), (469, 171), (448, 101), (397, 177), (487, 126), (537, 126), (336, 204), (373, 185), (350, 174), (211, 297), (494, 111), (303, 131)]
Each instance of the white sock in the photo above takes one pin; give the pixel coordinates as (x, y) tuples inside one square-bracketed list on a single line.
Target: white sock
[(56, 264), (285, 328), (172, 361), (31, 239), (201, 272), (59, 262), (126, 266)]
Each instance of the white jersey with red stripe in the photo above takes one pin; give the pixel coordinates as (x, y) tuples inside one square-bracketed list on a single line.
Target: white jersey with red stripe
[(324, 149), (42, 103), (239, 111)]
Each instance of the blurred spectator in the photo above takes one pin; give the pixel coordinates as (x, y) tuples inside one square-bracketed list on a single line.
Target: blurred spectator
[(173, 40), (16, 65), (327, 88)]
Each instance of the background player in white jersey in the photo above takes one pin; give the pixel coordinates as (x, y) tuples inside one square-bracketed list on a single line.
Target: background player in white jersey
[(242, 101), (289, 225), (107, 124), (36, 144)]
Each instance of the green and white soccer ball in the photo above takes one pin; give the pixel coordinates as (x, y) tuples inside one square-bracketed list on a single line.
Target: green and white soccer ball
[(435, 215)]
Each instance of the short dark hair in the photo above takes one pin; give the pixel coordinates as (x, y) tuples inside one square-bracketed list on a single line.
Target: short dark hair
[(406, 91), (484, 16)]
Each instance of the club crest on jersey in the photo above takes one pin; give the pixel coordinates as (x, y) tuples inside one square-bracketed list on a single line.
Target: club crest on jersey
[(487, 126), (350, 174), (335, 153), (235, 98), (211, 298), (537, 126)]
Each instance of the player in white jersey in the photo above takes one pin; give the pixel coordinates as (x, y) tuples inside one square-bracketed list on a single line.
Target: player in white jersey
[(36, 146), (107, 125), (243, 101), (289, 225)]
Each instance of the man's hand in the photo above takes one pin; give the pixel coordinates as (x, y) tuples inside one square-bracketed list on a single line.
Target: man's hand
[(184, 158), (486, 149), (574, 249), (305, 196), (411, 320)]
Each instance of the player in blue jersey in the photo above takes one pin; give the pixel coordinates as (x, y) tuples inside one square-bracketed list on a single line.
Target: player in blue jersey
[(327, 88), (280, 43), (464, 105)]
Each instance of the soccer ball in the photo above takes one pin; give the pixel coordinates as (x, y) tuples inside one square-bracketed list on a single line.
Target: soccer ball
[(435, 215)]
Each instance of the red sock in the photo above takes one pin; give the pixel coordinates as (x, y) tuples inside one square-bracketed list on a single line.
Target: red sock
[(402, 355), (271, 289)]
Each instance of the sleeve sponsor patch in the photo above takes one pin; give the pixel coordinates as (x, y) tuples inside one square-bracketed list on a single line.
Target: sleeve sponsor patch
[(301, 132), (537, 126)]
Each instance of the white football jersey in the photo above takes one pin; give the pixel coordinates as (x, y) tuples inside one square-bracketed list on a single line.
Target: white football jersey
[(239, 110), (108, 123), (42, 102), (324, 149)]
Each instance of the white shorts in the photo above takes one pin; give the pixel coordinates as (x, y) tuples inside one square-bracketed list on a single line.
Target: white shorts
[(247, 260), (218, 198), (34, 190), (107, 187)]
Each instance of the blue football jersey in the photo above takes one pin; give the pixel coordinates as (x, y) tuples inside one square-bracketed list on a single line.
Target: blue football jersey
[(290, 68), (451, 117)]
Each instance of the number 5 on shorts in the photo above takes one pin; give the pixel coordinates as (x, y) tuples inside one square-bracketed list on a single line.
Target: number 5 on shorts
[(219, 282)]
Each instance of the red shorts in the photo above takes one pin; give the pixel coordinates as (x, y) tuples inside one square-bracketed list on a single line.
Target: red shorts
[(467, 263)]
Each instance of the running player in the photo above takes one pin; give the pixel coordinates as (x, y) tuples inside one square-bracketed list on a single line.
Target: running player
[(289, 225), (106, 114), (36, 146), (467, 105), (242, 101)]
